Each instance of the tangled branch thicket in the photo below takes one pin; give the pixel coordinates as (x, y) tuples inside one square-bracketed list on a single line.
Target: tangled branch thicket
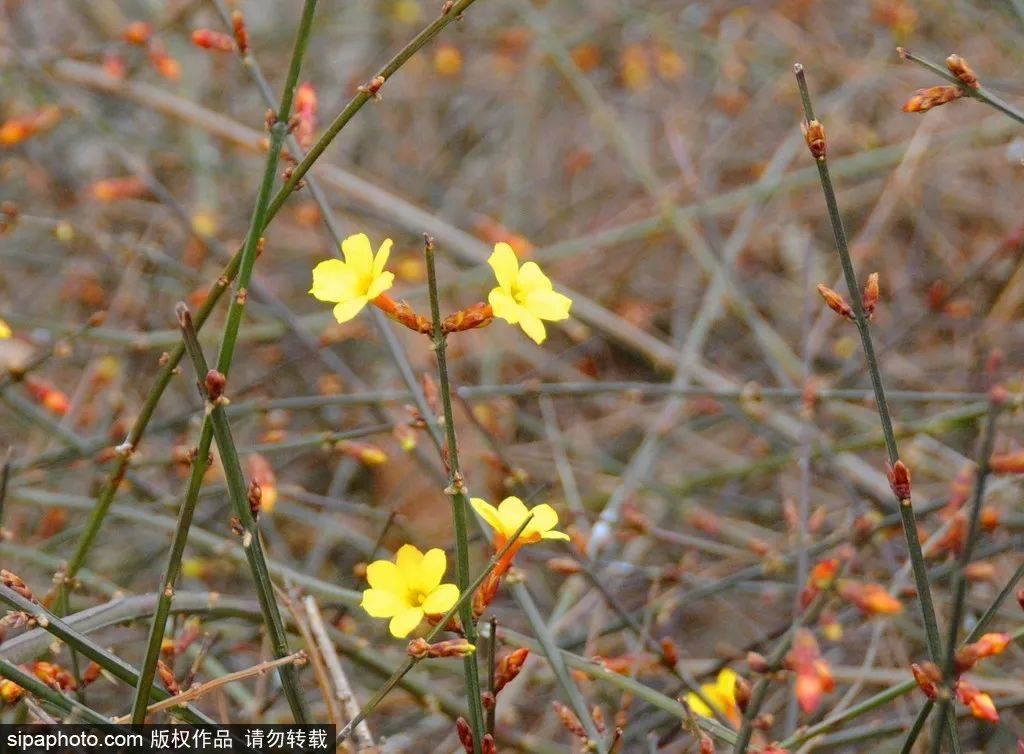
[(515, 376)]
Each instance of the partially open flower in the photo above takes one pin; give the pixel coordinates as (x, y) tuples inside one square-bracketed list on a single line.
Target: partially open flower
[(408, 589), (353, 283), (721, 694), (509, 516), (524, 295)]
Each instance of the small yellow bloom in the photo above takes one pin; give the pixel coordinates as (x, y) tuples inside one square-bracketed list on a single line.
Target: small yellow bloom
[(509, 516), (5, 330), (524, 295), (408, 589), (352, 284), (721, 694)]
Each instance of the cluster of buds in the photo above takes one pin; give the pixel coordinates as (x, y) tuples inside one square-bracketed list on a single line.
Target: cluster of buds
[(465, 734), (837, 303), (420, 649), (813, 676), (929, 677)]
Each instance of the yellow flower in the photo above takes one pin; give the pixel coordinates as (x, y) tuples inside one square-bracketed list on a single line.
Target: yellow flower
[(509, 516), (524, 295), (721, 694), (5, 330), (408, 589), (352, 284)]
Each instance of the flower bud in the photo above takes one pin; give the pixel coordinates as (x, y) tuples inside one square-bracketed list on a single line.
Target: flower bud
[(962, 70), (835, 301), (899, 480), (814, 135), (209, 39)]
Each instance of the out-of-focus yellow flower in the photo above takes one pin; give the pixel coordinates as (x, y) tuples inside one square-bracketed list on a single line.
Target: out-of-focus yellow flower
[(352, 284), (509, 516), (5, 330), (721, 694), (408, 589), (524, 295)]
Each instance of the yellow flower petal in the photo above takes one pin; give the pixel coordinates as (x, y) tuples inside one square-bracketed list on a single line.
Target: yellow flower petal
[(334, 281), (403, 623), (512, 512), (504, 306), (358, 255), (726, 683), (532, 326), (532, 280), (347, 310), (441, 599), (548, 305), (384, 575), (381, 604), (554, 535), (381, 283), (409, 560), (5, 330), (488, 513), (505, 265), (381, 259), (544, 518), (697, 705), (431, 571)]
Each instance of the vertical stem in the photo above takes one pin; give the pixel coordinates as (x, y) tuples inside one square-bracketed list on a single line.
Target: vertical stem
[(905, 507), (460, 500), (492, 646)]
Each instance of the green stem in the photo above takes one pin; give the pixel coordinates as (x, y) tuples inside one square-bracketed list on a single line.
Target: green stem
[(251, 543), (166, 593), (917, 727), (460, 500), (905, 506), (61, 702)]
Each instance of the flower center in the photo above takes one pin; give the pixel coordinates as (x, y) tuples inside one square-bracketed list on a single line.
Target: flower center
[(416, 598)]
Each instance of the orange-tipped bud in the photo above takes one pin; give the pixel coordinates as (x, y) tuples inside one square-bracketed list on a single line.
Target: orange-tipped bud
[(137, 33), (46, 395), (112, 189), (167, 676), (14, 583), (928, 677), (870, 297), (364, 452), (470, 318), (813, 676), (707, 744), (1007, 463), (261, 472), (90, 674), (899, 480), (421, 649), (508, 668), (980, 703), (925, 99), (757, 663), (962, 70), (569, 720), (209, 39), (465, 734), (835, 301), (871, 599), (10, 692), (305, 114), (403, 314), (814, 135), (241, 33), (17, 130), (487, 745), (162, 61)]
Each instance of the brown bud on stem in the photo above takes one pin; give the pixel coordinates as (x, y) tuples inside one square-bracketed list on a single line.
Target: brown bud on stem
[(835, 301), (14, 583), (814, 135), (934, 96), (167, 676), (471, 318), (241, 33), (465, 734), (899, 480), (215, 383), (508, 668), (870, 297), (570, 721), (255, 498), (962, 70)]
